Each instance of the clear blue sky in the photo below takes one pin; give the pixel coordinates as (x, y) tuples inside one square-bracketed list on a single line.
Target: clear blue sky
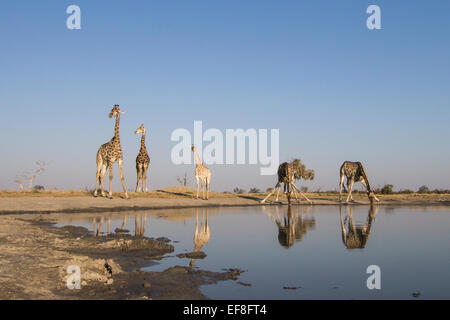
[(336, 90)]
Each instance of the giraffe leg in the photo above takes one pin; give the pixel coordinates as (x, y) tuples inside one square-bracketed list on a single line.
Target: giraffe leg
[(301, 193), (295, 194), (288, 192), (121, 178), (270, 193), (102, 179), (97, 175), (138, 174), (145, 179), (203, 188), (110, 180), (198, 182), (278, 192), (341, 184), (141, 179), (350, 187)]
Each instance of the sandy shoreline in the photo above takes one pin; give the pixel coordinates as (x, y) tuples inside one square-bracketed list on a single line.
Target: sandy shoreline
[(35, 255), (47, 204)]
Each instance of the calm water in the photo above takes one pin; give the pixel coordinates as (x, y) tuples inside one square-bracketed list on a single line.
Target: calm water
[(322, 251)]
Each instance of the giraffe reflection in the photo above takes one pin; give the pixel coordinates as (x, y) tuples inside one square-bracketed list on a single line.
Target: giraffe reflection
[(140, 223), (292, 226), (98, 231), (356, 236), (202, 233)]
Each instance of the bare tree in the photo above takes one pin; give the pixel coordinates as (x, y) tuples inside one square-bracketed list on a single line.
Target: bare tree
[(31, 176), (183, 180), (19, 180)]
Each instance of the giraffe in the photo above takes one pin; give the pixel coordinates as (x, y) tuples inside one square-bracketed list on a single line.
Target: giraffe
[(292, 227), (354, 172), (286, 176), (202, 234), (142, 161), (108, 154), (202, 174), (357, 236)]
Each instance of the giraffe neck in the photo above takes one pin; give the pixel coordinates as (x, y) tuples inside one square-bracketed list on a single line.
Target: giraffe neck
[(197, 158), (116, 128), (143, 148)]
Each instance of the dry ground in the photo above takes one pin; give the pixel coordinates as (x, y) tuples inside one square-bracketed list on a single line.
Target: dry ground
[(35, 255), (175, 197)]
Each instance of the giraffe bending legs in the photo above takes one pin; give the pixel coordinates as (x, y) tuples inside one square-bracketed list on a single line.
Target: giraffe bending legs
[(277, 186), (278, 193), (301, 193)]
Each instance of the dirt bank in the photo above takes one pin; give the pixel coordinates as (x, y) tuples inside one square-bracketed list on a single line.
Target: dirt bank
[(35, 255), (81, 202)]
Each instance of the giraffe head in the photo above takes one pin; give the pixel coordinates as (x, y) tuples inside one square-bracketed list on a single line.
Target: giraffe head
[(115, 111), (193, 148), (372, 197), (141, 129)]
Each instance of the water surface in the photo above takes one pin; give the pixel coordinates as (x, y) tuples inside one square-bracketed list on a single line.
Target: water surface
[(302, 252)]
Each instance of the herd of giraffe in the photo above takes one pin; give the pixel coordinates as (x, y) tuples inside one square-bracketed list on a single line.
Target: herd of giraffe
[(111, 152)]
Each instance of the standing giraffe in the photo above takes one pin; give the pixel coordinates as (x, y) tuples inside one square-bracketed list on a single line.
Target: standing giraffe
[(202, 174), (108, 154), (142, 161), (354, 172), (286, 176)]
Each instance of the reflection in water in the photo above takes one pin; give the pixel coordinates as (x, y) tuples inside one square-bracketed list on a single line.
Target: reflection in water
[(140, 223), (98, 231), (356, 236), (202, 233), (292, 227)]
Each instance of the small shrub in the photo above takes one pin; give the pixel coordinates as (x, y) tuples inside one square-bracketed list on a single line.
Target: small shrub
[(423, 189), (387, 189), (238, 190), (254, 190)]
